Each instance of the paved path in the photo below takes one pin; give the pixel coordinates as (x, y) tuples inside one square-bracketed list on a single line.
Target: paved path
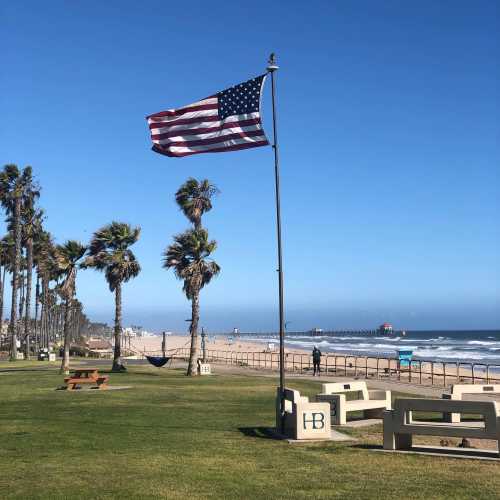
[(393, 385)]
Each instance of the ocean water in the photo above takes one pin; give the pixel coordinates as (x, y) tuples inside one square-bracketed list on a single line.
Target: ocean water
[(464, 346)]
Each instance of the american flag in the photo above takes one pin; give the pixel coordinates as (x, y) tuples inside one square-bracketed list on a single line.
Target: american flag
[(226, 121)]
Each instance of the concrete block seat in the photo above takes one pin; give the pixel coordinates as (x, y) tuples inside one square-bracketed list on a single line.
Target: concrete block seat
[(400, 426), (303, 420), (458, 391), (371, 402)]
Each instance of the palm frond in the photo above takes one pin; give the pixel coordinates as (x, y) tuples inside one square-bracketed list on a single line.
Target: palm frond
[(67, 257), (195, 198), (110, 253), (188, 256)]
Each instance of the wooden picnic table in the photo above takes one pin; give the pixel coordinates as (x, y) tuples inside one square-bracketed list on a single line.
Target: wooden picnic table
[(86, 376), (85, 372)]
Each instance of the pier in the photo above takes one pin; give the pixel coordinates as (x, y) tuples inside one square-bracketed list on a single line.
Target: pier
[(315, 333)]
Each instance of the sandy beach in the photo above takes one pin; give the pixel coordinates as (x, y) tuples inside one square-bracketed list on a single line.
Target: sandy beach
[(152, 345)]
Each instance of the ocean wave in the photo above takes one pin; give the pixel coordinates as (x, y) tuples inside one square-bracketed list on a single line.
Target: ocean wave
[(455, 355), (391, 347), (446, 348), (481, 342)]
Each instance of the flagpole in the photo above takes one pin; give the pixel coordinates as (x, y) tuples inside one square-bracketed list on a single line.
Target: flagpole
[(271, 68)]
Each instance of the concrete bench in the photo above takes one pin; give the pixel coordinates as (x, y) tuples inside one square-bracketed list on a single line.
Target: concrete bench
[(204, 368), (399, 426), (458, 390), (303, 420), (371, 403)]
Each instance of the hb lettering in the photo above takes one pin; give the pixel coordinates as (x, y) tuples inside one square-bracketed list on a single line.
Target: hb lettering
[(333, 409), (317, 421)]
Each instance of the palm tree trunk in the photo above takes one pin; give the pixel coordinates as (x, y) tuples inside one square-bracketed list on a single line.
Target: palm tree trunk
[(15, 276), (45, 326), (21, 294), (29, 277), (50, 324), (193, 353), (55, 330), (117, 361), (43, 312), (72, 324), (59, 321), (78, 323), (2, 288), (37, 303), (65, 360)]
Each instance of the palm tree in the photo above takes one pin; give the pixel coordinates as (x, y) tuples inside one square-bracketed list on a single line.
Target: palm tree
[(47, 269), (194, 199), (109, 252), (32, 225), (14, 187), (188, 257), (39, 244), (68, 257)]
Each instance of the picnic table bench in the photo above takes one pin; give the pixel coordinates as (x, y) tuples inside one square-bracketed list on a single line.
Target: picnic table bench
[(458, 390), (371, 402), (86, 376), (400, 426)]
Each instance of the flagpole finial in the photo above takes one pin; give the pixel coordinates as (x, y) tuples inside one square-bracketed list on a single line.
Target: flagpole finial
[(271, 64)]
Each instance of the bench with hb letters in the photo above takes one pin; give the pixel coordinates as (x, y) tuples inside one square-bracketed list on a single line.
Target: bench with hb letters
[(400, 426), (302, 419), (371, 402), (458, 390)]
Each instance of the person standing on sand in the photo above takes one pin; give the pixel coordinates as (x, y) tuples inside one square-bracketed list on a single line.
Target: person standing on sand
[(316, 355)]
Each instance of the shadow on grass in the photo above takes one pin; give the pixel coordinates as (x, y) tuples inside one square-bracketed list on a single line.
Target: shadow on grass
[(258, 432), (366, 446), (158, 372)]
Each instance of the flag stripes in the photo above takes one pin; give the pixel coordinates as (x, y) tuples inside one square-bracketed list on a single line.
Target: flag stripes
[(227, 121)]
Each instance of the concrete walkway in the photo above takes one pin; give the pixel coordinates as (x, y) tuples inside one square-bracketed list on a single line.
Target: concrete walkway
[(392, 385)]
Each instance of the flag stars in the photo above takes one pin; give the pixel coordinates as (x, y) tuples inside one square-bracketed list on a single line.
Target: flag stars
[(240, 99)]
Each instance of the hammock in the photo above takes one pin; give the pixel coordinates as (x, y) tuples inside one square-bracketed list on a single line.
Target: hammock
[(158, 361)]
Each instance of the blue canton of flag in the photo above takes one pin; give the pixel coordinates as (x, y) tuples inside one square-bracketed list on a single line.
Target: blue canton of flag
[(240, 99)]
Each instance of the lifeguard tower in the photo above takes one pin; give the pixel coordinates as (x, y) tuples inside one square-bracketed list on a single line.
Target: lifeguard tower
[(404, 358)]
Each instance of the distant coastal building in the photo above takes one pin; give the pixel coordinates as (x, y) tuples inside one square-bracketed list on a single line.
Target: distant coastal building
[(130, 332), (136, 331), (385, 329), (99, 347)]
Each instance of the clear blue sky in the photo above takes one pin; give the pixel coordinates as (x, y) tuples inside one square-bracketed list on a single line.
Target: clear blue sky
[(389, 134)]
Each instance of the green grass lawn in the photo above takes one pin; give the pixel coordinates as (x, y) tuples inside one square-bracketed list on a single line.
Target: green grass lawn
[(175, 437)]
